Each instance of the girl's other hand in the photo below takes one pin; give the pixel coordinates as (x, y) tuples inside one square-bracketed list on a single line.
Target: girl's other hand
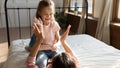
[(54, 47)]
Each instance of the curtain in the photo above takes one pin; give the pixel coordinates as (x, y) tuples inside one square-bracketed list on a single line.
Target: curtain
[(81, 28), (66, 4), (0, 12), (0, 6), (103, 28)]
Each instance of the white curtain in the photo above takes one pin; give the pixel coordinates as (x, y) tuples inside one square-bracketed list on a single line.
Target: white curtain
[(103, 29), (0, 6), (81, 28), (66, 4), (0, 13)]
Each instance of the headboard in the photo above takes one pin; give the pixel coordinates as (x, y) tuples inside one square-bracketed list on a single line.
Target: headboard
[(18, 9)]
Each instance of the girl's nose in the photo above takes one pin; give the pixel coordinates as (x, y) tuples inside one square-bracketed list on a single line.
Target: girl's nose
[(48, 16)]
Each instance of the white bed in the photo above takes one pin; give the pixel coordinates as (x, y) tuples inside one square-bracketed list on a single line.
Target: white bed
[(91, 53)]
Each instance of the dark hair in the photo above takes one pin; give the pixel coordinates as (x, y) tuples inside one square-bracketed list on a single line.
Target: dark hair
[(42, 4), (63, 60)]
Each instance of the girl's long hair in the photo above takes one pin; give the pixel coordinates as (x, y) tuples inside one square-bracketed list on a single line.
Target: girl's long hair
[(45, 3)]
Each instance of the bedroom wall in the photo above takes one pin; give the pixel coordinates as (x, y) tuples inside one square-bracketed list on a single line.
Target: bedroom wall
[(24, 16), (31, 3), (13, 17)]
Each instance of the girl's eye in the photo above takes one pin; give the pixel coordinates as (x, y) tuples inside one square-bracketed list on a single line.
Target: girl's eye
[(51, 14), (45, 15)]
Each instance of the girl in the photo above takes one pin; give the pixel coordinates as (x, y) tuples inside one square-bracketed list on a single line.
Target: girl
[(49, 29), (63, 60)]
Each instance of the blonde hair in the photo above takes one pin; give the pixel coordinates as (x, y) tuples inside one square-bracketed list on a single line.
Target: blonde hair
[(45, 3)]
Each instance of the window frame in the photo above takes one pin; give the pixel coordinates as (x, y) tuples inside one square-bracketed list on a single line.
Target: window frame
[(89, 14), (115, 11)]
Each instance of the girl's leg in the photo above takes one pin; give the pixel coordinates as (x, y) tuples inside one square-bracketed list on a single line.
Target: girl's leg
[(50, 53), (41, 59), (32, 41)]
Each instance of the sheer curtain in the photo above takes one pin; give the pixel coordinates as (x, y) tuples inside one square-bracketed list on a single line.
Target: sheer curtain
[(103, 29), (66, 4), (0, 6), (81, 28), (0, 13)]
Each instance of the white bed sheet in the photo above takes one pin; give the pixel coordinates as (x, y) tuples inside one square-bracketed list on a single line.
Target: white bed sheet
[(91, 53)]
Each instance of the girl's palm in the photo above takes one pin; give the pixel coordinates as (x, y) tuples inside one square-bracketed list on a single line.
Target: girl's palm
[(37, 31)]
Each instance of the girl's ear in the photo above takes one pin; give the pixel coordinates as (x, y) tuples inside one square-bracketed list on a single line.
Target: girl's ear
[(40, 17)]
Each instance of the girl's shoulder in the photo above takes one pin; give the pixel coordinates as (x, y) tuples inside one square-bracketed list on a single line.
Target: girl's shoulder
[(55, 24)]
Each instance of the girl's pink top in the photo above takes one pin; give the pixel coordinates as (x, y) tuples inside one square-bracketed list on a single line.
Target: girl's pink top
[(49, 35)]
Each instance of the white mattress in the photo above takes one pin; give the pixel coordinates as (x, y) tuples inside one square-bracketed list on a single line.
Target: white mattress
[(91, 53)]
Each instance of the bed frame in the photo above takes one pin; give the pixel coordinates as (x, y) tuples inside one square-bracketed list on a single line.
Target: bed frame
[(18, 9)]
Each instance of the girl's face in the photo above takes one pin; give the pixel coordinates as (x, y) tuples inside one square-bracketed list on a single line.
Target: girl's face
[(46, 15)]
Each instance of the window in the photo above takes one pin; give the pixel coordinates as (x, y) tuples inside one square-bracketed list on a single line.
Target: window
[(79, 4), (116, 11)]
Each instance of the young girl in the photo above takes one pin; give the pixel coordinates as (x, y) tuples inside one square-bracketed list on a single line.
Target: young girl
[(50, 30), (63, 60)]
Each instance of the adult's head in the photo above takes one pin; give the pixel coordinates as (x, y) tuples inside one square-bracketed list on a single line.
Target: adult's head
[(63, 60)]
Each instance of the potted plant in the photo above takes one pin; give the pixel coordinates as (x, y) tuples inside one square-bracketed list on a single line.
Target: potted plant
[(61, 19)]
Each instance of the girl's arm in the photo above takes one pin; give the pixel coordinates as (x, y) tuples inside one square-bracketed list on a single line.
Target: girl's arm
[(35, 48), (38, 42)]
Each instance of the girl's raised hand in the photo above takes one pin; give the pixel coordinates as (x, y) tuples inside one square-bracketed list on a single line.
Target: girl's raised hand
[(37, 31), (35, 20), (38, 22)]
